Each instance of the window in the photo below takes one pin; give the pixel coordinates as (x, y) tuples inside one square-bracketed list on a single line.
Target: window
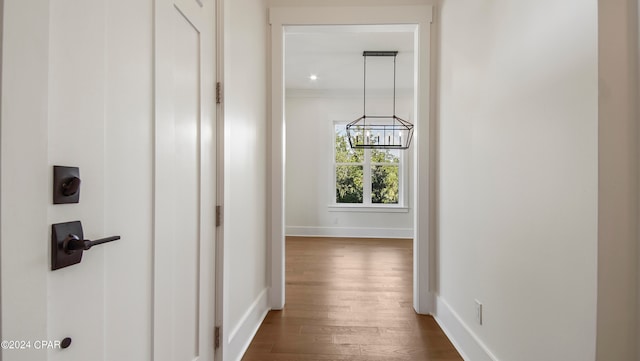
[(367, 177)]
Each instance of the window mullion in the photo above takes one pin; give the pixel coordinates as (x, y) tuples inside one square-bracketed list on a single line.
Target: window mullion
[(366, 192)]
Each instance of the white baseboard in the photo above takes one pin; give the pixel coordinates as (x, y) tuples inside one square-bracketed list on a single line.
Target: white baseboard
[(353, 232), (470, 347), (242, 334)]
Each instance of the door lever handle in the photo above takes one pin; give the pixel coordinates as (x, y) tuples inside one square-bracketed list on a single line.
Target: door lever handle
[(88, 244), (68, 244), (73, 243)]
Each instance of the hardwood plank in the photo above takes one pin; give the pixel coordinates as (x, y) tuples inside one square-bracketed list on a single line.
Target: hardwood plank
[(339, 330), (349, 299), (314, 348), (308, 357)]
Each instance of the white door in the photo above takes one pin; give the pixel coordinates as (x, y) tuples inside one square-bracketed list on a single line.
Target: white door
[(184, 220), (125, 91)]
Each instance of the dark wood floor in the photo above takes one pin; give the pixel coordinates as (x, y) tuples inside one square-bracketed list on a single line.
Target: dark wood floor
[(349, 299)]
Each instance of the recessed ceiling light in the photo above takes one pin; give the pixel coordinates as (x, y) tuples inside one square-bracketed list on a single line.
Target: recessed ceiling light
[(313, 77)]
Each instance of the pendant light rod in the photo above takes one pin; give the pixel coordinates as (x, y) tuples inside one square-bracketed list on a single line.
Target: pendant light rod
[(364, 85), (367, 53), (394, 84)]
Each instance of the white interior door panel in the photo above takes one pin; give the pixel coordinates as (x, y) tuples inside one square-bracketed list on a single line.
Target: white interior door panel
[(184, 238)]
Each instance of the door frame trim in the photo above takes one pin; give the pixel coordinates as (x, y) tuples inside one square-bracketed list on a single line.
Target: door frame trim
[(424, 178), (1, 72), (220, 186)]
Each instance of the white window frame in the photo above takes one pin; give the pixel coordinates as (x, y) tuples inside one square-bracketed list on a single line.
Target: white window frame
[(367, 205)]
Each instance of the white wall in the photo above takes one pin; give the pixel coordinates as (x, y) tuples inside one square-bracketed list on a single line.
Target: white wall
[(309, 168), (518, 180), (245, 149), (618, 182)]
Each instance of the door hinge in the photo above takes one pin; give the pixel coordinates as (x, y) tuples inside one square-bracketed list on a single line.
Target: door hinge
[(216, 338), (218, 93), (218, 216)]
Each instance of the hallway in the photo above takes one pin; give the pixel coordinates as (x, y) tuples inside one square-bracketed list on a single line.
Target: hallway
[(349, 299)]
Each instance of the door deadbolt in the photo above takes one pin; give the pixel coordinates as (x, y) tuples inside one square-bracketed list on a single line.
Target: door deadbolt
[(71, 186), (66, 184)]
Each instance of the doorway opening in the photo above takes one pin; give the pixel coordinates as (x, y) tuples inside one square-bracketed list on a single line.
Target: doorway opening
[(335, 193), (419, 179)]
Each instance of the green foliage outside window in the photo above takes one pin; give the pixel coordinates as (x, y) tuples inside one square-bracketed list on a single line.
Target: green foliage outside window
[(349, 178), (385, 156), (384, 184), (384, 178), (344, 153), (349, 184)]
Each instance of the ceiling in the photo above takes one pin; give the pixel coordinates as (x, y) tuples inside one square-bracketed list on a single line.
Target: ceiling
[(334, 54)]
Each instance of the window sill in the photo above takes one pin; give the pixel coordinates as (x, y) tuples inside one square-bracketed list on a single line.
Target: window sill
[(367, 209)]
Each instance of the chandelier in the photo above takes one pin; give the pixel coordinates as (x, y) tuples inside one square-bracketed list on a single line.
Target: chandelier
[(380, 131)]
